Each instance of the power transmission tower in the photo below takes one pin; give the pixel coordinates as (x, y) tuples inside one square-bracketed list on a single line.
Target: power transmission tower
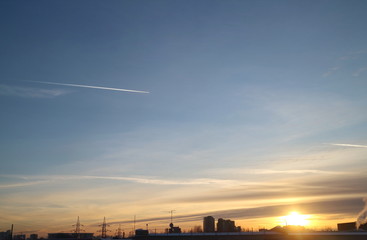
[(119, 233), (78, 229), (104, 228)]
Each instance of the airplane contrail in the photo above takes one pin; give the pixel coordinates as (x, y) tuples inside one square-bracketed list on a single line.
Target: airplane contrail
[(88, 86), (349, 145)]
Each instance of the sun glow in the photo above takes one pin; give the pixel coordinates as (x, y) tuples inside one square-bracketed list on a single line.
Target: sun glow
[(296, 219)]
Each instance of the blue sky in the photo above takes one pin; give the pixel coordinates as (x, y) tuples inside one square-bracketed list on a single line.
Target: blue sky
[(251, 105)]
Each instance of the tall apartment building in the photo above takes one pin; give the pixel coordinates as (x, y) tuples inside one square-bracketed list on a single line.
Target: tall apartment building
[(209, 224), (226, 225)]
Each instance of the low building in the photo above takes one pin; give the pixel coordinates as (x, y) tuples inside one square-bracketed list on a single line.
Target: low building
[(6, 235), (363, 227), (346, 227), (33, 237), (70, 236), (19, 237), (351, 226), (141, 232), (174, 229)]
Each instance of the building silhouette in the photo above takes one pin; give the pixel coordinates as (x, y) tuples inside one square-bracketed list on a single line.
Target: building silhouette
[(173, 229), (19, 237), (351, 226), (7, 235), (226, 225), (33, 237), (70, 236), (209, 224)]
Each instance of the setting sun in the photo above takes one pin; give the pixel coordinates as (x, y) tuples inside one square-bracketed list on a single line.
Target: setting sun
[(296, 219)]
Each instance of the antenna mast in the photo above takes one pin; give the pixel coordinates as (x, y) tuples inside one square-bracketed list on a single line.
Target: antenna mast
[(172, 215)]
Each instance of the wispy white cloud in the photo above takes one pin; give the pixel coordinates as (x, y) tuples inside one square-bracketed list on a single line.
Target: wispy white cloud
[(155, 181), (330, 71), (326, 187), (359, 71), (352, 55), (28, 92), (295, 171), (341, 62), (346, 57), (140, 180), (348, 145), (22, 184), (88, 86), (291, 111), (259, 171)]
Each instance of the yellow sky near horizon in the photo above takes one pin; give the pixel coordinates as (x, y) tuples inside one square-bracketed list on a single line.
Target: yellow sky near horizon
[(242, 110)]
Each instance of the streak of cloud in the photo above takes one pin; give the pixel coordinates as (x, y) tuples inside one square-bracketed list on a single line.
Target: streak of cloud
[(24, 184), (277, 195), (337, 206), (202, 181), (88, 86), (294, 171), (359, 72), (348, 145), (330, 71), (261, 171), (352, 55), (28, 92), (302, 189), (152, 181)]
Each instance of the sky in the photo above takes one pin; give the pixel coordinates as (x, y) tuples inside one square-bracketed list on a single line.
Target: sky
[(243, 110)]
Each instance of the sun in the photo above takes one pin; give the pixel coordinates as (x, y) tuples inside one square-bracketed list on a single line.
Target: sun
[(296, 219)]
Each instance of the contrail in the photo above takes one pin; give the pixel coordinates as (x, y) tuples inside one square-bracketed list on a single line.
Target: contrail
[(88, 86), (348, 145)]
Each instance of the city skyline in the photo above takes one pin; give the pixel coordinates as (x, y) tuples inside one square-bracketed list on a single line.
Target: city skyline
[(294, 223), (245, 110)]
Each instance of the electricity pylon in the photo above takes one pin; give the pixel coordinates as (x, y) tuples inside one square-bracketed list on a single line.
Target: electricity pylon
[(77, 228), (104, 228)]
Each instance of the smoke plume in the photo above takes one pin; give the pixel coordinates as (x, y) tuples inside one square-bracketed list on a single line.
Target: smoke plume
[(362, 216)]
